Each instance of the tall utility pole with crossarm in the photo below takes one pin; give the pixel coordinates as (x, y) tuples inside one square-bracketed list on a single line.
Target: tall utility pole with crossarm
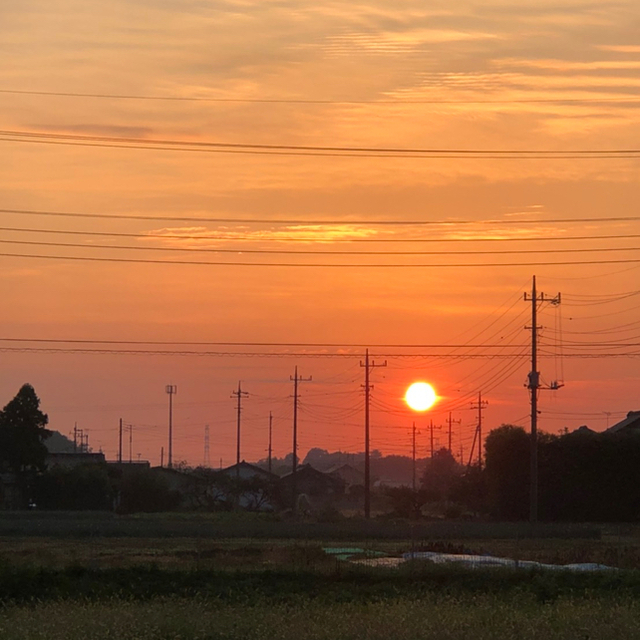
[(239, 394), (296, 379), (367, 364), (534, 385), (171, 389)]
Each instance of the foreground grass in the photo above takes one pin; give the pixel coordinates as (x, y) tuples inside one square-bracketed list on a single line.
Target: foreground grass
[(445, 618)]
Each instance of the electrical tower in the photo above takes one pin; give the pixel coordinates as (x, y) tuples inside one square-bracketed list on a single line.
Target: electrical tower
[(207, 459), (171, 389), (296, 380), (120, 443), (367, 463), (534, 385)]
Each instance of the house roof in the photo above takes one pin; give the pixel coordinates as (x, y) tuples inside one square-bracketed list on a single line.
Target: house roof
[(632, 421), (259, 471), (307, 471)]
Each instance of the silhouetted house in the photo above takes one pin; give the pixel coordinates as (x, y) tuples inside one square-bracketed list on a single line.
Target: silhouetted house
[(631, 424), (175, 479), (247, 471), (250, 487), (320, 488), (350, 476), (71, 460), (584, 430)]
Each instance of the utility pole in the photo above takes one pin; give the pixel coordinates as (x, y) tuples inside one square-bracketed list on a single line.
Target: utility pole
[(367, 462), (413, 457), (161, 457), (451, 422), (120, 443), (431, 435), (270, 433), (207, 459), (481, 404), (534, 385), (79, 434), (171, 389), (296, 379), (131, 442), (75, 437), (239, 394)]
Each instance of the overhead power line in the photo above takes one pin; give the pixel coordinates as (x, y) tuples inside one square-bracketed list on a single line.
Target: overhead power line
[(336, 265), (448, 222), (296, 345), (303, 101), (231, 354), (288, 149)]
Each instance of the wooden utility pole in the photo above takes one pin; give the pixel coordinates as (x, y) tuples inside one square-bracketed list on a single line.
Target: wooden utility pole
[(452, 422), (413, 457), (239, 394), (367, 461), (481, 404), (270, 434), (294, 490), (171, 389), (431, 435), (533, 386)]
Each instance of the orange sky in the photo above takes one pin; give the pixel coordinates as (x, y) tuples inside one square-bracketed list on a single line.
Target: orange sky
[(493, 76)]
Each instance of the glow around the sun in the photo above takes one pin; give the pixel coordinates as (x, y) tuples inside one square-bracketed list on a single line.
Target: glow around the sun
[(420, 396)]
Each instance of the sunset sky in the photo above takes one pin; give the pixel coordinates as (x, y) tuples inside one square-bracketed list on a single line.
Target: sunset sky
[(462, 147)]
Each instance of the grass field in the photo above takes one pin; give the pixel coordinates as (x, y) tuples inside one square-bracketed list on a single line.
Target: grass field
[(164, 576), (442, 618)]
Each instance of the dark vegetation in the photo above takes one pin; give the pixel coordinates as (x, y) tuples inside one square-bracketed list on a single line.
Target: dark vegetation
[(583, 477), (24, 585)]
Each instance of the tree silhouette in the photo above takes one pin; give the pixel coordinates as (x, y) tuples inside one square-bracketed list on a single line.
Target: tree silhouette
[(22, 433), (439, 475)]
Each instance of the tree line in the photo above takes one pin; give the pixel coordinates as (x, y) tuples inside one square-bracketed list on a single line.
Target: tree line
[(583, 476)]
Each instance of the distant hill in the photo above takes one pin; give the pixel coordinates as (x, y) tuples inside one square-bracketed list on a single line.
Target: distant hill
[(57, 443)]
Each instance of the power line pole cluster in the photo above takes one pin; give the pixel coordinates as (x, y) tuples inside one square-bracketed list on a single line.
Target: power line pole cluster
[(534, 385), (80, 440), (296, 379), (481, 404), (368, 365)]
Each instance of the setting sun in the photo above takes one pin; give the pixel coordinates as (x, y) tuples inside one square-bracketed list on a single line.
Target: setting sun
[(420, 396)]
